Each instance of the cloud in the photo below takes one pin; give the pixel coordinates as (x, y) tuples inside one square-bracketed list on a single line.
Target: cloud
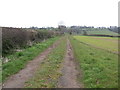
[(26, 13)]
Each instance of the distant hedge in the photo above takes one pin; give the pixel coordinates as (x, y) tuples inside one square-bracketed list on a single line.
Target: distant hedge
[(15, 38)]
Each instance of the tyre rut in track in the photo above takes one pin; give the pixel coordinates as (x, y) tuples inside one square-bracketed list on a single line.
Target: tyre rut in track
[(69, 72)]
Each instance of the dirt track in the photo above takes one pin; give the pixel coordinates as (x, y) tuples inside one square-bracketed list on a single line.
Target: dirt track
[(18, 80), (69, 78), (69, 72)]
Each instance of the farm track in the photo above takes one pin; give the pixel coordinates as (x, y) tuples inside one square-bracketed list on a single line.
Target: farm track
[(69, 78), (18, 80)]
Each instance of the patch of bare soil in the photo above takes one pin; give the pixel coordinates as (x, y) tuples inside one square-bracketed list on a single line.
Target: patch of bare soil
[(69, 77), (18, 80)]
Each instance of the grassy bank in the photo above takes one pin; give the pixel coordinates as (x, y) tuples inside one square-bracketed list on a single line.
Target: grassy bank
[(49, 71), (99, 68), (19, 59)]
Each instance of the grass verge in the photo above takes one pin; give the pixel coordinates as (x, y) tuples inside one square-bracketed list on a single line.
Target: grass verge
[(48, 72), (19, 59), (99, 68)]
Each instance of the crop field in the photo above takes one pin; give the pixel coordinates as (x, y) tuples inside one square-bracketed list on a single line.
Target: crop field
[(102, 32), (99, 68), (107, 43)]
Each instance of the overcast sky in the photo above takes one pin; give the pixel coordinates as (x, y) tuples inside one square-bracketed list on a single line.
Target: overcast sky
[(43, 13)]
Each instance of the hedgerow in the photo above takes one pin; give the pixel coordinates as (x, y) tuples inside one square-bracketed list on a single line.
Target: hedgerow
[(17, 38)]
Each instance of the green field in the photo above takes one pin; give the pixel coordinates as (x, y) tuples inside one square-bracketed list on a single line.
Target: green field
[(99, 68), (107, 43), (102, 32)]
